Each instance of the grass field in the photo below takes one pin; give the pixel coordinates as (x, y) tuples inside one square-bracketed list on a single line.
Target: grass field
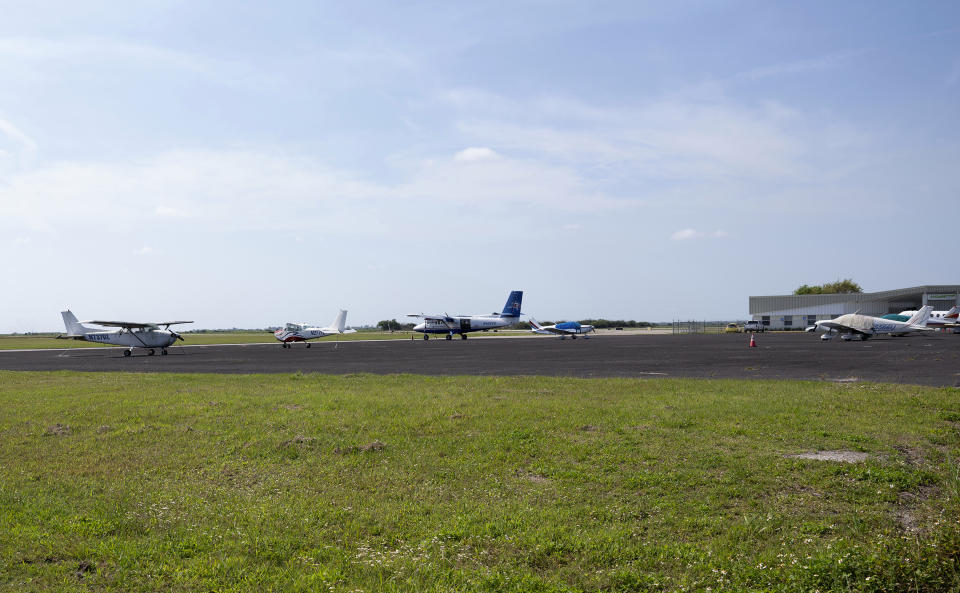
[(139, 482), (21, 342)]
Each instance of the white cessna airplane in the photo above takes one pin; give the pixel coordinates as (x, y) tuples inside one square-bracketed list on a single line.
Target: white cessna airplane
[(461, 324), (301, 332), (134, 335), (863, 326), (567, 328)]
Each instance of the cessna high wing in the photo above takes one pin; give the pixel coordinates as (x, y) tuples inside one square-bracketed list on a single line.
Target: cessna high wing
[(567, 328), (148, 336), (461, 324), (302, 332), (854, 325)]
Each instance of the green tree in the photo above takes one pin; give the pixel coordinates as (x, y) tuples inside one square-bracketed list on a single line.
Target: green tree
[(845, 286)]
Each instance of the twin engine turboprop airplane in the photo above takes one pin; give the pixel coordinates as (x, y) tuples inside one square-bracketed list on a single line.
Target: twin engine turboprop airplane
[(134, 335), (567, 328), (863, 326), (301, 332), (461, 324)]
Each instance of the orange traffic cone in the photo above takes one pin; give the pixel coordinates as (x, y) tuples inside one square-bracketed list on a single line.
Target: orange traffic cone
[(753, 341)]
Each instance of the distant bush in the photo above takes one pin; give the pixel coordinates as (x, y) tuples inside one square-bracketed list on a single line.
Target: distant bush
[(845, 286)]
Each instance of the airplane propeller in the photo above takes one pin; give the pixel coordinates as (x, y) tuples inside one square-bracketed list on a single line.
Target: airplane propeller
[(177, 336)]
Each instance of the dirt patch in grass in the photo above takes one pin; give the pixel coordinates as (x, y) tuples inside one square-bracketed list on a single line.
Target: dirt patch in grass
[(368, 448), (906, 511), (912, 455), (840, 456), (589, 428), (531, 476), (58, 430), (298, 440), (85, 567)]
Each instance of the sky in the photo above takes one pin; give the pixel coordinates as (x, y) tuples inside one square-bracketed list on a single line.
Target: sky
[(245, 164)]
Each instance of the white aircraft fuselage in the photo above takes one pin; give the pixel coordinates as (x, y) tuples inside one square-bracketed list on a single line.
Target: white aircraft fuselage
[(132, 335), (458, 324), (302, 332), (463, 324), (854, 325)]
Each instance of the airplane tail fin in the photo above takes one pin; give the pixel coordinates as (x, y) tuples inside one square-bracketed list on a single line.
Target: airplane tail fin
[(340, 321), (920, 317), (512, 307), (73, 327), (953, 313), (535, 324)]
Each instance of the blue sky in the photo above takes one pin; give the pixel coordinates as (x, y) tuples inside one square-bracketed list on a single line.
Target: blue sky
[(247, 164)]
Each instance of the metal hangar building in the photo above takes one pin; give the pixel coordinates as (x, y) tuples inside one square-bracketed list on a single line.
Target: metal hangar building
[(799, 311)]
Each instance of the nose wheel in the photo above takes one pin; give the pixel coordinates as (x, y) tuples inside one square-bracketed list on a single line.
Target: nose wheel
[(426, 336), (308, 344), (463, 336), (163, 351), (448, 337), (128, 352)]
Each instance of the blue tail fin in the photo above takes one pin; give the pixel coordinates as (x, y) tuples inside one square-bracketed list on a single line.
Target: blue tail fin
[(512, 308)]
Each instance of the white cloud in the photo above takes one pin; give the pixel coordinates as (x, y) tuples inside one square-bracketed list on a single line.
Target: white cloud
[(145, 250), (688, 234), (17, 149), (169, 212), (833, 60), (473, 154)]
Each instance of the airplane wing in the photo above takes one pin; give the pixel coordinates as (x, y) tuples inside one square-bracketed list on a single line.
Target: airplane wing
[(445, 318), (123, 324), (551, 329), (349, 331), (132, 324)]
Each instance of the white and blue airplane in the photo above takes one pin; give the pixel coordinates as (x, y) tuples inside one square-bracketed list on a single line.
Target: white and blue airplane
[(854, 325), (567, 328), (302, 332), (131, 334), (462, 324)]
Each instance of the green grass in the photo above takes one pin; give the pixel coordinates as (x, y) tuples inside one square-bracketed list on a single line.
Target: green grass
[(39, 342), (139, 482)]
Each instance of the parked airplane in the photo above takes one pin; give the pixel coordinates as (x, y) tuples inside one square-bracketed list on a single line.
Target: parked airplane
[(301, 332), (937, 318), (567, 328), (863, 326), (134, 335), (461, 324)]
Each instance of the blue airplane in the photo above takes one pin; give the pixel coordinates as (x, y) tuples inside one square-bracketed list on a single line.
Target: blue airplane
[(461, 324), (567, 328)]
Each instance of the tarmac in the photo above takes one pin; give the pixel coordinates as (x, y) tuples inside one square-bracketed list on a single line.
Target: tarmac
[(928, 359)]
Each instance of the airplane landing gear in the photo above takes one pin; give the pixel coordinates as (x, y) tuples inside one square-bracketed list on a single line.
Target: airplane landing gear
[(426, 336), (163, 351), (463, 336), (128, 352), (573, 337), (151, 352), (308, 344), (448, 337)]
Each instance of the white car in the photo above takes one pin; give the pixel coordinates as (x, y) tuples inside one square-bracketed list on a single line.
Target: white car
[(753, 326)]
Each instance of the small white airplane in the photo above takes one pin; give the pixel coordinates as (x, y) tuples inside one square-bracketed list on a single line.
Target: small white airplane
[(567, 328), (148, 336), (863, 326), (302, 332), (461, 324)]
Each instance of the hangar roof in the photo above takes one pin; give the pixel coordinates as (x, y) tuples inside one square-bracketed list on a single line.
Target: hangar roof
[(763, 304)]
